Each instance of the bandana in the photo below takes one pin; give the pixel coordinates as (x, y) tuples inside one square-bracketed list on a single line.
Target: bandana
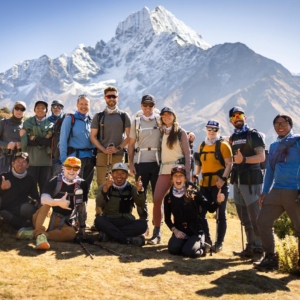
[(244, 129), (81, 116), (53, 118), (69, 182), (167, 130), (19, 176), (211, 142), (178, 193)]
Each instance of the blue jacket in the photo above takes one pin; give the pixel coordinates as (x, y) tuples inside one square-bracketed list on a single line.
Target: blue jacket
[(283, 169), (79, 137)]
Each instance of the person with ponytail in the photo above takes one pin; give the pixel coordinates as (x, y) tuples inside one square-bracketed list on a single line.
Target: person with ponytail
[(10, 135), (181, 207)]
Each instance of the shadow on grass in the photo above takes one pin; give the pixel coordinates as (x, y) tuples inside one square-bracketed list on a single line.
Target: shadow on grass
[(245, 282)]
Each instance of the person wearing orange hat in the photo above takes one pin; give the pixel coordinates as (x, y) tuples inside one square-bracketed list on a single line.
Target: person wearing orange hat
[(63, 201)]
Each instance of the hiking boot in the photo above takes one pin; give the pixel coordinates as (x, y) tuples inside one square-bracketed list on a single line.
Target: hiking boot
[(258, 254), (103, 237), (137, 241), (25, 233), (217, 247), (42, 242), (156, 239), (244, 253), (268, 263)]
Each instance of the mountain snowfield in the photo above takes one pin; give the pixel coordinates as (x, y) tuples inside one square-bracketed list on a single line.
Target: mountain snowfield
[(153, 52)]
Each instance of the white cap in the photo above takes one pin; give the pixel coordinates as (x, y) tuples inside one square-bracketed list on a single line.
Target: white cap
[(120, 166)]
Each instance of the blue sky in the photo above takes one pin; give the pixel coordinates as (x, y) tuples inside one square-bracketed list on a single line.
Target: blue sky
[(32, 28)]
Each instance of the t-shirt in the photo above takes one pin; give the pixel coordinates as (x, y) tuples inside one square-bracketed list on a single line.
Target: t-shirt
[(50, 186), (209, 162)]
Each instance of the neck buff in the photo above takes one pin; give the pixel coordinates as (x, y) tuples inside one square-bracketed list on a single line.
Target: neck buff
[(211, 142), (69, 182), (111, 111), (53, 118), (120, 187), (20, 176), (244, 129), (80, 115), (178, 193), (167, 130), (39, 122), (279, 139), (16, 120)]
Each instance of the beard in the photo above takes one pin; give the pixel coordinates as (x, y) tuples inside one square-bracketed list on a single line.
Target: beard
[(239, 125)]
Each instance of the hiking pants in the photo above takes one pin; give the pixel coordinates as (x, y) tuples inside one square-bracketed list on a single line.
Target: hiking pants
[(187, 247), (248, 210), (275, 204), (41, 221), (120, 229), (210, 193), (149, 173), (40, 174)]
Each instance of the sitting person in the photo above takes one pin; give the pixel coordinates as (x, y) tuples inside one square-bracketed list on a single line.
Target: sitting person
[(64, 201), (116, 198), (183, 202), (19, 194)]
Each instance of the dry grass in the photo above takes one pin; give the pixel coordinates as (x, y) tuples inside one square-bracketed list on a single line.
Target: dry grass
[(65, 272)]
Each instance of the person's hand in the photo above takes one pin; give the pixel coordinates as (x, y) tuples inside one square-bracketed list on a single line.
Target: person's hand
[(49, 135), (108, 184), (132, 169), (111, 149), (32, 137), (139, 184), (191, 137), (220, 182), (5, 184), (63, 202), (11, 145), (238, 157), (220, 197), (179, 234), (18, 145), (22, 132), (261, 199)]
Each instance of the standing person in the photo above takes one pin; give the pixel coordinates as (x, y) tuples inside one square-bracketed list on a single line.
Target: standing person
[(117, 197), (183, 203), (107, 134), (19, 194), (215, 163), (63, 199), (143, 148), (75, 139), (175, 150), (10, 135), (34, 128), (280, 190), (248, 149)]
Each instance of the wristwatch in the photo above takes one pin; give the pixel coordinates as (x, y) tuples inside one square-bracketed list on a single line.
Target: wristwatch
[(119, 148), (224, 178)]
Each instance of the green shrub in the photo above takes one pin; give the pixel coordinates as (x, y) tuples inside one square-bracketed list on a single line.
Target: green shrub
[(283, 226)]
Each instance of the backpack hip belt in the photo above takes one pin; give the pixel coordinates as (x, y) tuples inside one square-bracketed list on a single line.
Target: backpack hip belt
[(211, 174), (180, 161), (138, 150)]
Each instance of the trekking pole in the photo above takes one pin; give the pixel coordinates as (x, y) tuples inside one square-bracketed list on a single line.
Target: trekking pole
[(111, 251), (86, 250), (239, 197), (109, 162), (80, 241)]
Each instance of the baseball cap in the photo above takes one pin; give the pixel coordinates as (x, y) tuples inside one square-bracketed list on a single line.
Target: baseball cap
[(179, 169), (57, 102), (20, 103), (213, 123), (41, 102), (72, 161), (120, 166), (148, 98), (21, 154), (167, 109), (234, 110)]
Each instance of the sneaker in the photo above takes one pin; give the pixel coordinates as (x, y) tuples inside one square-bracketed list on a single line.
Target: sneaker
[(268, 263), (244, 253), (258, 254), (217, 247), (25, 233), (42, 242), (103, 237), (137, 241), (156, 239)]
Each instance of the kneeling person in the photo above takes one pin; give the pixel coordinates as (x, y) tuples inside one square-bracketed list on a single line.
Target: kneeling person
[(117, 198), (64, 201)]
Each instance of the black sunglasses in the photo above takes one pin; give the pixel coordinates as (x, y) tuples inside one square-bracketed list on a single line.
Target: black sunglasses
[(20, 108), (57, 106), (212, 129), (111, 96), (148, 105), (82, 96)]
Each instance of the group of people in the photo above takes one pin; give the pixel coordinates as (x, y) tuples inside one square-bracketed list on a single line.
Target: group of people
[(44, 194)]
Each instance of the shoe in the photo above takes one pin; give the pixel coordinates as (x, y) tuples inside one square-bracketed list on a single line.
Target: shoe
[(268, 263), (42, 242), (25, 233), (103, 237), (258, 254), (244, 253), (93, 228), (156, 239), (137, 241), (217, 247)]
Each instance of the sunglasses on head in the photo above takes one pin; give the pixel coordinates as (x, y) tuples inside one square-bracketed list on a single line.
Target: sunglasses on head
[(82, 96), (282, 124), (212, 129), (111, 96), (76, 168), (23, 154), (20, 108), (148, 105), (57, 106), (237, 116)]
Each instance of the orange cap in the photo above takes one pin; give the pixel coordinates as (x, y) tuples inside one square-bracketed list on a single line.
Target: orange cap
[(72, 161)]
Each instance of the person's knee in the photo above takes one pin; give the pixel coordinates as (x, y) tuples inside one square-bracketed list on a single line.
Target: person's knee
[(27, 210), (189, 252), (174, 250), (99, 222)]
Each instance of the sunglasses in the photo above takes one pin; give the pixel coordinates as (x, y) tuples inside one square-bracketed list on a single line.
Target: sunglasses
[(239, 116), (23, 154), (165, 114), (20, 108), (76, 168), (57, 106), (148, 105), (282, 124), (212, 129), (111, 96), (82, 96)]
